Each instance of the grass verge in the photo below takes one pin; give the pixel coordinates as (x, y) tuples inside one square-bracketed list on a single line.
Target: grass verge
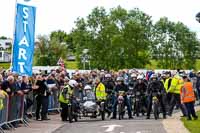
[(194, 125)]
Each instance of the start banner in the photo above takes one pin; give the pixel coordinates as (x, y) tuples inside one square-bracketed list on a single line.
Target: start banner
[(24, 39)]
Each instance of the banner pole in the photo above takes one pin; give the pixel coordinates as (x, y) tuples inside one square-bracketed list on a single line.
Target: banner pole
[(14, 26)]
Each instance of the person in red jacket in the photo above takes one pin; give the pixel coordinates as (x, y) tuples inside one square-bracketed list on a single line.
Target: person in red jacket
[(188, 98)]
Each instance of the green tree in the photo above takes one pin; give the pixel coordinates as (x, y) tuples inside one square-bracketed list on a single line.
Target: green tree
[(3, 37), (48, 51), (116, 39), (175, 46)]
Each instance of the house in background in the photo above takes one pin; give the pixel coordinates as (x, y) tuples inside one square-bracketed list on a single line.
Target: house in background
[(5, 44), (5, 56)]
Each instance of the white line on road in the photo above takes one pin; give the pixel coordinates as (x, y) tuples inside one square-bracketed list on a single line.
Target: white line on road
[(110, 128)]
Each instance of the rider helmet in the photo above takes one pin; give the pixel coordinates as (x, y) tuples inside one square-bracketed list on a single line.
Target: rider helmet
[(87, 87), (73, 83)]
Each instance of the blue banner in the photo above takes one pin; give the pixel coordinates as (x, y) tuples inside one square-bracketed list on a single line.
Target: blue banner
[(24, 39)]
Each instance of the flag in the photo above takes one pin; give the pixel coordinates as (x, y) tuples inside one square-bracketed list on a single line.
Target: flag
[(61, 62), (24, 39)]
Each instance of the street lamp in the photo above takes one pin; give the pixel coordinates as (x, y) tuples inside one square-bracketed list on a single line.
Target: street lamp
[(198, 17), (85, 58)]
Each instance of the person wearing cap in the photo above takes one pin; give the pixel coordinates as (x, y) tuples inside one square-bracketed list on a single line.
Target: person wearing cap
[(188, 98)]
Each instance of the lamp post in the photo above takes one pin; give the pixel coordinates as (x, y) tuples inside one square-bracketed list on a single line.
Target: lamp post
[(85, 58)]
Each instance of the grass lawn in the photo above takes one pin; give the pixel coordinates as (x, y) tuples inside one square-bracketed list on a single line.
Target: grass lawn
[(194, 125), (71, 64), (74, 65), (4, 65)]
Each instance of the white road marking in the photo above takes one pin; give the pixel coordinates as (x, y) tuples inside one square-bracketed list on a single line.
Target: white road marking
[(138, 132), (111, 128)]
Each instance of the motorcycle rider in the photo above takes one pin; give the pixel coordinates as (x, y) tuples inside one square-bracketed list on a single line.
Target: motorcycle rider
[(100, 92), (133, 81), (155, 86), (109, 85), (88, 93), (139, 92), (121, 87), (64, 97)]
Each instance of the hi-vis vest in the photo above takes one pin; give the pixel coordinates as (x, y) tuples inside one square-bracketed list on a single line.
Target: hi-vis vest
[(187, 93), (3, 95), (64, 98), (100, 92), (166, 85), (176, 84), (163, 82)]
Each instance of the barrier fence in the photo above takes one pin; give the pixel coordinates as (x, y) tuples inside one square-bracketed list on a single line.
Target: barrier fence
[(12, 112), (53, 104)]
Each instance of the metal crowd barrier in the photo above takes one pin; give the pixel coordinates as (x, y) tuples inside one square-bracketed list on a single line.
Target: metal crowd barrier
[(54, 104), (12, 113), (4, 115)]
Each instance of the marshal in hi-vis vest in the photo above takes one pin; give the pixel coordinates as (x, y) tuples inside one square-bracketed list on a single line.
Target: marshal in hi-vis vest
[(187, 93), (65, 93)]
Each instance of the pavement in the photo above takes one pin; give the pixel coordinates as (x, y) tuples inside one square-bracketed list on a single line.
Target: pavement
[(40, 126), (87, 125)]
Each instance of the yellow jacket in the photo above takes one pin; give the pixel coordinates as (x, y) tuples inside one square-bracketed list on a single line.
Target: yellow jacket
[(176, 84), (3, 94), (100, 92), (65, 93)]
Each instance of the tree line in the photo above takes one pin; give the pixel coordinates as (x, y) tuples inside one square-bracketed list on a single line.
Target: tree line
[(120, 38)]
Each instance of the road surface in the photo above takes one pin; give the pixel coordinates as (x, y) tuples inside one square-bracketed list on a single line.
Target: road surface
[(136, 125)]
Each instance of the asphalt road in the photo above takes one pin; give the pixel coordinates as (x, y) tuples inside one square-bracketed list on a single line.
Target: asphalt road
[(136, 125)]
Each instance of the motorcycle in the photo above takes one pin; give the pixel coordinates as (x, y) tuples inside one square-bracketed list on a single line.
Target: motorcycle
[(155, 105), (90, 108), (72, 110), (137, 103), (102, 110), (121, 106)]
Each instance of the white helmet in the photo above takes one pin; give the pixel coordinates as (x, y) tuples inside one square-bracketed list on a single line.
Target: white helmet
[(120, 79), (108, 75), (73, 83), (133, 75), (140, 77), (87, 87)]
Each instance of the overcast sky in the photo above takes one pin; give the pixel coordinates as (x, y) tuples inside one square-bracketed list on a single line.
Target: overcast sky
[(61, 14)]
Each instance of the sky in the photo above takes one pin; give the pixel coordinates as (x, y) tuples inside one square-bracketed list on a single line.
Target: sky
[(54, 15)]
